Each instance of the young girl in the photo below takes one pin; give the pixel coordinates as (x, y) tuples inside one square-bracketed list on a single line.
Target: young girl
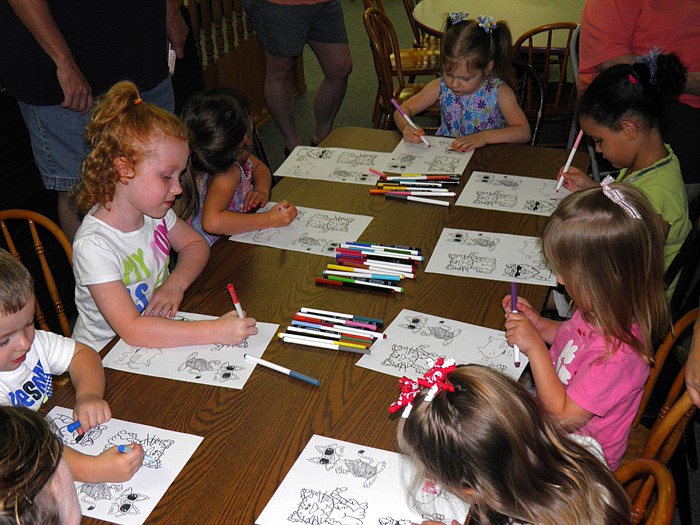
[(477, 98), (121, 252), (485, 439), (605, 244), (223, 181), (621, 111)]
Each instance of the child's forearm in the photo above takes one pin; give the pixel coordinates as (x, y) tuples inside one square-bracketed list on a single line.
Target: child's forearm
[(82, 466), (516, 134), (152, 331), (550, 390), (548, 329), (86, 372), (227, 222), (191, 260)]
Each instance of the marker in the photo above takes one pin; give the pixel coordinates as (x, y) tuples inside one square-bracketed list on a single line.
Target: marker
[(360, 275), (344, 316), (364, 273), (383, 247), (569, 160), (364, 342), (348, 322), (514, 309), (408, 119), (404, 178), (75, 425), (330, 282), (315, 339), (283, 370), (422, 193), (343, 330), (378, 173), (417, 199), (125, 448), (364, 283), (410, 183), (234, 299)]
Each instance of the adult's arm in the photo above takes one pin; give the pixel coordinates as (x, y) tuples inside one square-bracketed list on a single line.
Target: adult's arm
[(38, 19), (175, 27), (692, 367)]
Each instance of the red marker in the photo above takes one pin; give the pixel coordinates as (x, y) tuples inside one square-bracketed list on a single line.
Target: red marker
[(234, 299)]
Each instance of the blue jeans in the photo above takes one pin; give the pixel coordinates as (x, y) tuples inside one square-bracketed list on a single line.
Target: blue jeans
[(58, 137)]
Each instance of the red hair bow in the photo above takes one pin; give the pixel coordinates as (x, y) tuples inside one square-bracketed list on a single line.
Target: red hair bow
[(435, 379)]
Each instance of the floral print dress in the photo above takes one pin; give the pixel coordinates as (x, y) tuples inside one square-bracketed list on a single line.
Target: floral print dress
[(467, 114)]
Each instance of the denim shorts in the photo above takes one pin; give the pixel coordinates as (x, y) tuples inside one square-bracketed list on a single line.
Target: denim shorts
[(58, 137), (284, 29)]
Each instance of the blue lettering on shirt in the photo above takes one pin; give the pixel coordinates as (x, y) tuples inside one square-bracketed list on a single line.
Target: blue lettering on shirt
[(38, 388), (140, 296)]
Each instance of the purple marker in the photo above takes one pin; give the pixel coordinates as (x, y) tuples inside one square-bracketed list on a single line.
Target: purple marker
[(514, 309)]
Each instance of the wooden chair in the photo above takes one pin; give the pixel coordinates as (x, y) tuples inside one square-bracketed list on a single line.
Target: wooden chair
[(52, 240), (530, 95), (384, 44), (643, 479), (415, 61), (420, 38), (665, 436), (552, 62)]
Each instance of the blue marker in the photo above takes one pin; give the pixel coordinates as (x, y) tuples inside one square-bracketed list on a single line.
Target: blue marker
[(125, 448), (75, 425), (278, 368)]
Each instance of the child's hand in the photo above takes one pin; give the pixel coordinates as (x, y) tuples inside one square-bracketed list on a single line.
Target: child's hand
[(282, 214), (165, 300), (255, 199), (523, 307), (575, 179), (411, 134), (232, 329), (91, 410), (468, 143), (454, 522), (113, 466), (522, 332)]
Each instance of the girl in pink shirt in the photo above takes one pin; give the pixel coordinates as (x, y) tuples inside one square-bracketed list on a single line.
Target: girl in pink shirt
[(606, 245)]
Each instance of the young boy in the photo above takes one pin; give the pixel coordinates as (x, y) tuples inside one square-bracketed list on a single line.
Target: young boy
[(28, 358)]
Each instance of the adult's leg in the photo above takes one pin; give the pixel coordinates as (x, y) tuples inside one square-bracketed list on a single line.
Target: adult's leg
[(336, 64), (58, 144), (279, 76)]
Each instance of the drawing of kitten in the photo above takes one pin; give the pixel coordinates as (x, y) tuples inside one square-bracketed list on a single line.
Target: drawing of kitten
[(321, 508)]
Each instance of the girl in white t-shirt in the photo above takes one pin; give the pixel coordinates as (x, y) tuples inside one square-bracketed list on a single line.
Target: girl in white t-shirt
[(121, 253)]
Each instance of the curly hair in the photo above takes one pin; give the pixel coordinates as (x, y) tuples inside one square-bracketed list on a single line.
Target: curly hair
[(122, 126), (493, 445), (29, 456)]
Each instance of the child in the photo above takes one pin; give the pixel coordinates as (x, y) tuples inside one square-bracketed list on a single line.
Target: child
[(605, 245), (29, 357), (485, 439), (477, 98), (223, 181), (621, 111), (121, 251), (36, 486)]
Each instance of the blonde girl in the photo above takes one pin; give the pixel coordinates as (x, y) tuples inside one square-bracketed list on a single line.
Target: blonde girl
[(485, 439), (605, 245), (121, 253), (477, 98)]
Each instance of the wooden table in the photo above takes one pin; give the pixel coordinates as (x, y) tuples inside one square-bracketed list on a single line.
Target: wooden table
[(521, 15), (253, 436)]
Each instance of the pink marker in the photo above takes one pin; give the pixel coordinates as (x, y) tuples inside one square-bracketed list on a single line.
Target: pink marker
[(569, 160), (408, 119), (514, 309)]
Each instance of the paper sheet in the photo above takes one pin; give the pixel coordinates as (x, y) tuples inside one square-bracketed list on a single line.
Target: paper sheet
[(335, 482), (419, 158), (495, 256), (495, 191), (131, 502), (312, 231), (333, 164), (214, 364), (415, 340)]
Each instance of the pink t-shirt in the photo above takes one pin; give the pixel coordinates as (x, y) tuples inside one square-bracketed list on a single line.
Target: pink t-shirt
[(610, 388), (611, 28)]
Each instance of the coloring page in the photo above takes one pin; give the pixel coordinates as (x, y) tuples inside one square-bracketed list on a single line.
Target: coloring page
[(495, 191), (129, 503), (312, 231), (335, 482), (415, 340), (419, 158), (216, 364), (333, 164), (494, 256)]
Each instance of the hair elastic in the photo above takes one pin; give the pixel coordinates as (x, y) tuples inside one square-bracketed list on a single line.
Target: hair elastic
[(486, 22), (649, 60), (138, 101), (633, 79), (458, 16), (618, 198), (434, 379)]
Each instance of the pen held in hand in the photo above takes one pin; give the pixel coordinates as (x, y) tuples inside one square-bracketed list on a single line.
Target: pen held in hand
[(569, 160), (234, 299), (514, 309), (408, 119)]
